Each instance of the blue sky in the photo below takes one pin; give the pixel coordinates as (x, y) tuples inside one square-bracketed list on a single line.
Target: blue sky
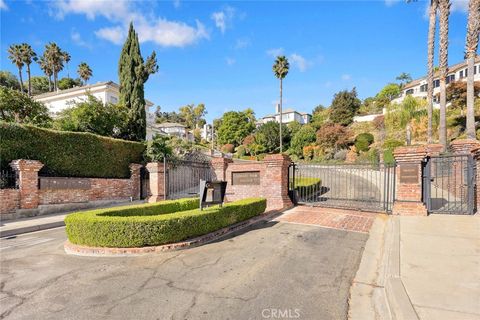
[(221, 53)]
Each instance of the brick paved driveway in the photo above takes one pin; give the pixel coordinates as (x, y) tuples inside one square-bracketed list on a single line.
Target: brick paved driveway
[(341, 219)]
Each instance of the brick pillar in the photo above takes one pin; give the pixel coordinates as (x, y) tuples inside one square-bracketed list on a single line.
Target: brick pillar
[(408, 198), (135, 180), (157, 181), (27, 181), (464, 146), (275, 181), (220, 166)]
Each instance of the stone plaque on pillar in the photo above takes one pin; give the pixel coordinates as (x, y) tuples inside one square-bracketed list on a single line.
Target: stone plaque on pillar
[(409, 173)]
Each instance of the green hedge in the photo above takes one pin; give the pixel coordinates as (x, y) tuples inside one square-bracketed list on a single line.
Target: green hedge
[(307, 185), (155, 224), (74, 154)]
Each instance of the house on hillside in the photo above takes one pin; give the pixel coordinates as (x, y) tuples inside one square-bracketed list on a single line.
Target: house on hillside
[(107, 92), (456, 72), (288, 115), (174, 129)]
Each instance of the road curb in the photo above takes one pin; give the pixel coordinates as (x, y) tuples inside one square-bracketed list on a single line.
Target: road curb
[(21, 230)]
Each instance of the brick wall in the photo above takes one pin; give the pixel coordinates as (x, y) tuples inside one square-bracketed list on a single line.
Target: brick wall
[(29, 196)]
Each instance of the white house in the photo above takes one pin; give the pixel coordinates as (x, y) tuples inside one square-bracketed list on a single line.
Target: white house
[(288, 115), (107, 92), (457, 72), (174, 129), (207, 132)]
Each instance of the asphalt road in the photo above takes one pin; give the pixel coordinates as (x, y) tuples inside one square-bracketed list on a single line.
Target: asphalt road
[(270, 271)]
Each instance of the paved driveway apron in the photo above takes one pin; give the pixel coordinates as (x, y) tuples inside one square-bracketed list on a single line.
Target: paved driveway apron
[(268, 270)]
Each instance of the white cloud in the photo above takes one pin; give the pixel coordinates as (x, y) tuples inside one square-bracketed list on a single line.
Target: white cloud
[(346, 77), (120, 13), (242, 43), (223, 18), (113, 34), (77, 39), (460, 5), (299, 62), (275, 52), (3, 5), (230, 61)]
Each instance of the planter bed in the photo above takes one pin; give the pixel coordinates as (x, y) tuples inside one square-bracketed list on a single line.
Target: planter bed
[(155, 224)]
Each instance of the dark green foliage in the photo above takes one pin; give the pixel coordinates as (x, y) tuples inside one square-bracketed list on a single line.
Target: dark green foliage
[(67, 83), (157, 223), (234, 126), (69, 153), (268, 136), (363, 141), (391, 144), (304, 137), (9, 80), (39, 85), (158, 148), (20, 108), (344, 107), (133, 73)]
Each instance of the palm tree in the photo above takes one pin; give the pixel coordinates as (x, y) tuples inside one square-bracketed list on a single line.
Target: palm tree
[(84, 72), (280, 69), (430, 71), (473, 30), (46, 68), (443, 64), (54, 56), (28, 56), (66, 58), (16, 56)]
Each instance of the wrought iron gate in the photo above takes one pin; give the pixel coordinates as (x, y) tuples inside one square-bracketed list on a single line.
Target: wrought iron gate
[(183, 177), (369, 187), (144, 183), (449, 184)]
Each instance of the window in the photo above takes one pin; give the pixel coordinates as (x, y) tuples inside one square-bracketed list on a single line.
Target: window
[(461, 74), (409, 91), (436, 83), (474, 69), (466, 72), (423, 88)]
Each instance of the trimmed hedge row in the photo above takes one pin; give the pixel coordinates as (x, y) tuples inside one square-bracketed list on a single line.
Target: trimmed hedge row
[(155, 224), (71, 154)]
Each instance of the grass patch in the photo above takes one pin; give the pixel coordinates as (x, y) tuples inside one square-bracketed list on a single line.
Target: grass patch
[(155, 224)]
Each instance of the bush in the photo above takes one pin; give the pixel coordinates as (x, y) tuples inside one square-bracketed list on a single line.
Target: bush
[(340, 155), (74, 154), (391, 144), (363, 141), (155, 224), (228, 148)]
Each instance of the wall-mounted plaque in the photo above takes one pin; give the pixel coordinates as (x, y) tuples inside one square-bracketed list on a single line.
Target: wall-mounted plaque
[(409, 173), (59, 183), (246, 178)]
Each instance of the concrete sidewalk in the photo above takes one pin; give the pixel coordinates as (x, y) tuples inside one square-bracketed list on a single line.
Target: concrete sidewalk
[(419, 268), (10, 228)]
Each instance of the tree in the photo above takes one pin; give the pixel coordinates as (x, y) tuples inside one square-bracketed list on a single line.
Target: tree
[(344, 107), (66, 58), (473, 30), (39, 84), (268, 136), (44, 64), (16, 106), (280, 70), (194, 116), (294, 127), (67, 83), (28, 56), (233, 127), (172, 116), (430, 68), (457, 93), (443, 64), (318, 108), (404, 78), (7, 79), (93, 116), (133, 73), (387, 94), (332, 136), (55, 59), (158, 148), (320, 117), (304, 137), (370, 106), (84, 72), (15, 54)]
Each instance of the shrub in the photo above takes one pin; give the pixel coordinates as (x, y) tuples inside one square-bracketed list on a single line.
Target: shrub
[(370, 156), (155, 224), (340, 155), (240, 151), (228, 148), (391, 144), (363, 141), (74, 154), (333, 136), (304, 137)]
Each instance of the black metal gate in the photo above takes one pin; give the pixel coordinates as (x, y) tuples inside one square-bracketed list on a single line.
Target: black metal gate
[(449, 184), (369, 187), (144, 183), (183, 177)]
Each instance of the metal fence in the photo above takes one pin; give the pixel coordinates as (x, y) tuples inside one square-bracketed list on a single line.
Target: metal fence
[(8, 179), (449, 184), (183, 177), (367, 187)]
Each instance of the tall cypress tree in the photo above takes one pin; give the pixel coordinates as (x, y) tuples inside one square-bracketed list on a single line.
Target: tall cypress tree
[(133, 73)]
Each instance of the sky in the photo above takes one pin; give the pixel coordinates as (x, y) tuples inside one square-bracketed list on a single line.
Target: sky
[(221, 53)]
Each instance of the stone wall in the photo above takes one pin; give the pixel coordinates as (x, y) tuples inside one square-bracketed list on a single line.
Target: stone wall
[(28, 196)]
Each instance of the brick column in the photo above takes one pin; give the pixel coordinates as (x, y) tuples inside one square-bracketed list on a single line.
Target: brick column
[(27, 181), (464, 146), (408, 198), (275, 181), (135, 180), (157, 181), (220, 166)]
